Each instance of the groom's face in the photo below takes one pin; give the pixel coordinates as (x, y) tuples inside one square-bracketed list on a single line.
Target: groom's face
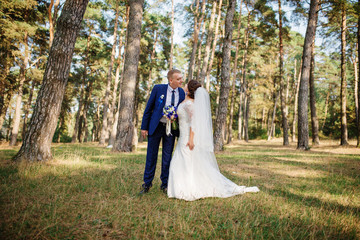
[(176, 80)]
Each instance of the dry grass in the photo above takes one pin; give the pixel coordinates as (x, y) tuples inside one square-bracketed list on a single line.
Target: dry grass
[(87, 192)]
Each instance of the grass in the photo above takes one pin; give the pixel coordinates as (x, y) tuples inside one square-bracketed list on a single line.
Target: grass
[(88, 192)]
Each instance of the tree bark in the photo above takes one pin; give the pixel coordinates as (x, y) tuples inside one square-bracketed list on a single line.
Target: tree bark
[(272, 125), (195, 40), (16, 120), (75, 136), (225, 78), (26, 109), (358, 92), (209, 68), (303, 124), (282, 87), (37, 142), (52, 20), (117, 76), (209, 39), (314, 119), (172, 35), (233, 90), (296, 101), (104, 128), (344, 132), (244, 94), (125, 130)]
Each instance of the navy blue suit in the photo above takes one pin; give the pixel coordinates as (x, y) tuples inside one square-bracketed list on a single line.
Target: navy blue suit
[(151, 122)]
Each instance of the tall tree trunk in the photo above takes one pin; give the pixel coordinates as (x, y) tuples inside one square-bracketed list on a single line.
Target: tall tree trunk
[(16, 121), (104, 128), (245, 92), (79, 113), (87, 99), (296, 101), (26, 109), (344, 132), (172, 35), (199, 55), (125, 130), (37, 142), (209, 39), (282, 87), (152, 58), (225, 78), (209, 68), (272, 125), (234, 73), (52, 19), (358, 92), (326, 106), (303, 124), (314, 119), (197, 24), (117, 76)]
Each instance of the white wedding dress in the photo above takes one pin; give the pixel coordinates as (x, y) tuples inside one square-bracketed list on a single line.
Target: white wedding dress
[(194, 174)]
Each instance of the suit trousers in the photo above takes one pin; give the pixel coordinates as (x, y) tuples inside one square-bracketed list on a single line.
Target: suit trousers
[(152, 155)]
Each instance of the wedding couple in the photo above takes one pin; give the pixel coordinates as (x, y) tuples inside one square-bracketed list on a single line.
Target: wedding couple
[(192, 172)]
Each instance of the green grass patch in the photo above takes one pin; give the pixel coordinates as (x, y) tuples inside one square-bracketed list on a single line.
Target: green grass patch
[(89, 192)]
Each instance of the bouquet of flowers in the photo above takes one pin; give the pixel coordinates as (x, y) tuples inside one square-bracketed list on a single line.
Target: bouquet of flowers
[(170, 114)]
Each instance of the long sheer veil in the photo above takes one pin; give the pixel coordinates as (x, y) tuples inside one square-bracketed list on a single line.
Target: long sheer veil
[(201, 121)]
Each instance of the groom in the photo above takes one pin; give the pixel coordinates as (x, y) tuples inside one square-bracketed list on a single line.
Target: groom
[(154, 126)]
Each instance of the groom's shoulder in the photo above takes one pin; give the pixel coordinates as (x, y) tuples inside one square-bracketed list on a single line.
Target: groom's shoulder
[(160, 86)]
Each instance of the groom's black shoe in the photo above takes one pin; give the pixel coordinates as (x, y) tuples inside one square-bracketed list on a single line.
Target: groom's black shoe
[(145, 188), (163, 189)]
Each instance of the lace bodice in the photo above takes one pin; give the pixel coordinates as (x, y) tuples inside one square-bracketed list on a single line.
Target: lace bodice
[(185, 112)]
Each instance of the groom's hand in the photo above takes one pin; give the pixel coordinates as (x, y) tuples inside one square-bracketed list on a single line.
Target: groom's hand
[(144, 133)]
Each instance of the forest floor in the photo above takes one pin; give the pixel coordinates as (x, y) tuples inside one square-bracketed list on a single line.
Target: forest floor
[(88, 192)]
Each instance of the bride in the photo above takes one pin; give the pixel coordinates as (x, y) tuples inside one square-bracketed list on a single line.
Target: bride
[(194, 172)]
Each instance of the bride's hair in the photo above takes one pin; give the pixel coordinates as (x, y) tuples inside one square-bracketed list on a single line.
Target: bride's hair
[(192, 86)]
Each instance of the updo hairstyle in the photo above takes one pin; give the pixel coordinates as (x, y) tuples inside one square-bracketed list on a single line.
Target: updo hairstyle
[(192, 86)]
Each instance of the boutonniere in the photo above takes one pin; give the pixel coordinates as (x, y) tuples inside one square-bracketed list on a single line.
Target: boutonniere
[(161, 98)]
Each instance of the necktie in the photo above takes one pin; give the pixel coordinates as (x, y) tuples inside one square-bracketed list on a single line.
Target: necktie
[(173, 98)]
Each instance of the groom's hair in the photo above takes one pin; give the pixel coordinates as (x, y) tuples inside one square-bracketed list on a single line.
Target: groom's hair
[(171, 72)]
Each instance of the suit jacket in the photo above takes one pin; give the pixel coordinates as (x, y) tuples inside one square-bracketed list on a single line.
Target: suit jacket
[(154, 107)]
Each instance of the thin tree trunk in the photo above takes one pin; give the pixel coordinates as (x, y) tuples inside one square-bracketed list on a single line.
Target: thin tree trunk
[(225, 78), (199, 55), (358, 92), (326, 106), (245, 92), (197, 24), (26, 109), (234, 73), (209, 39), (152, 58), (172, 35), (303, 124), (209, 68), (117, 76), (104, 128), (272, 125), (356, 89), (16, 122), (37, 142), (296, 102), (344, 131), (52, 20), (125, 130), (314, 119), (263, 120), (79, 113), (282, 97)]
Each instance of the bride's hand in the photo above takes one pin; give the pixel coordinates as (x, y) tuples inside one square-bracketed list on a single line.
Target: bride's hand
[(191, 145)]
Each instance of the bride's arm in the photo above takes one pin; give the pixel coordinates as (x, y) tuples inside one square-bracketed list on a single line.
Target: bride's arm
[(191, 140)]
